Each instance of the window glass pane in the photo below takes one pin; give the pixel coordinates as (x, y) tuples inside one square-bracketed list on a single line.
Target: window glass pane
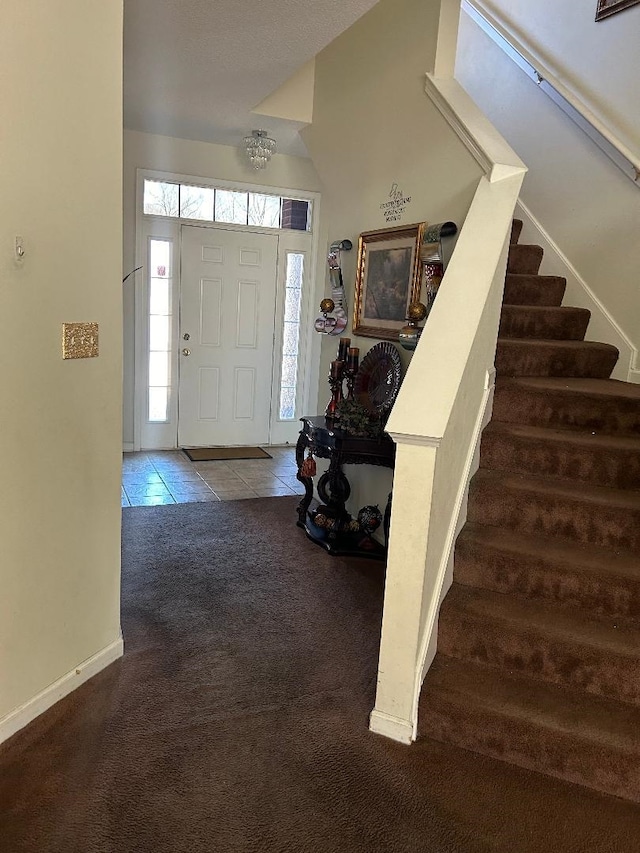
[(160, 258), (295, 214), (231, 207), (287, 404), (291, 335), (292, 305), (289, 370), (159, 333), (264, 210), (158, 404), (159, 296), (196, 202), (290, 339), (158, 369), (160, 198)]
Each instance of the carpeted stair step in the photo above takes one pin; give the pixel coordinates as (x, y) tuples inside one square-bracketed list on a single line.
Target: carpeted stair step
[(524, 259), (598, 580), (544, 321), (540, 505), (586, 740), (530, 357), (516, 230), (534, 289), (559, 645), (598, 405), (602, 460)]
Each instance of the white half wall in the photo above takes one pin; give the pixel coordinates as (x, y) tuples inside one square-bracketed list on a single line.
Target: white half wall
[(60, 420)]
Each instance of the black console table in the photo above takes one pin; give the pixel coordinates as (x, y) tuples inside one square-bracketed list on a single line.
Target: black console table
[(329, 442)]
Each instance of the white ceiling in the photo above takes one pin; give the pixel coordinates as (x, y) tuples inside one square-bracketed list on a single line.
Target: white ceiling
[(196, 68)]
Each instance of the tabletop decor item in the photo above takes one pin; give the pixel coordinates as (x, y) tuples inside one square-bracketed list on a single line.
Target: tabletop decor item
[(378, 379), (358, 421), (387, 279), (335, 377), (409, 335)]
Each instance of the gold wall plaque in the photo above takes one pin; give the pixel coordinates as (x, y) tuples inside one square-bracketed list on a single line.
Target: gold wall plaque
[(79, 340)]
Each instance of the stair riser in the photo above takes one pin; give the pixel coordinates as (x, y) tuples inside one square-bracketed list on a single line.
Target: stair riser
[(566, 411), (527, 577), (528, 359), (470, 636), (563, 755), (532, 290), (619, 469), (568, 517), (553, 324), (524, 260), (516, 230)]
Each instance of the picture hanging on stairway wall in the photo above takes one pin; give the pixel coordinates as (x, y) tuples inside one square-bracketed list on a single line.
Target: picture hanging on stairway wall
[(610, 7), (387, 280)]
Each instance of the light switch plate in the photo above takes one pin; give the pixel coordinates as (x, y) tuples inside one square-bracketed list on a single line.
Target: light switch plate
[(79, 340)]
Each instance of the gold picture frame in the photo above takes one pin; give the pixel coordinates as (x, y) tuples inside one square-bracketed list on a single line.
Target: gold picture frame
[(387, 280), (610, 7)]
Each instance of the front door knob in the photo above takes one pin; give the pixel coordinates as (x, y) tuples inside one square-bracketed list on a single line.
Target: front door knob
[(186, 351)]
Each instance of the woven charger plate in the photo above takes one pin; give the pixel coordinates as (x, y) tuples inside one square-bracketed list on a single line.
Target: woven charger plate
[(378, 380)]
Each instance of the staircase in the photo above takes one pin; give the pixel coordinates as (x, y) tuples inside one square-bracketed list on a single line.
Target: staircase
[(538, 656)]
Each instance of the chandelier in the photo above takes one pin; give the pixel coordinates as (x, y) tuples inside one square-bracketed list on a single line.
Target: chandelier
[(259, 147)]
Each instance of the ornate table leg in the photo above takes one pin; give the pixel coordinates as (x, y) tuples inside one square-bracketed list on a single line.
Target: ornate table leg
[(307, 482), (334, 490)]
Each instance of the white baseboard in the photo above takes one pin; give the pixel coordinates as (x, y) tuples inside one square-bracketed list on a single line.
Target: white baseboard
[(24, 714), (602, 326), (391, 727), (128, 447)]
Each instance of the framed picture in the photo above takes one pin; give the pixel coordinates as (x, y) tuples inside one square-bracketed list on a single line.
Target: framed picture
[(387, 280), (610, 7)]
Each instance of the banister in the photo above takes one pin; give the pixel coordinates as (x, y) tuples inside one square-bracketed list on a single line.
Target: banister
[(561, 93)]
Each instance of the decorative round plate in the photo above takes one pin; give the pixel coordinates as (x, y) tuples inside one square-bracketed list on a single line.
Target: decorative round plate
[(378, 380)]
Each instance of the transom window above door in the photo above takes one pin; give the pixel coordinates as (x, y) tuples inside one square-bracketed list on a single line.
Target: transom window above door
[(214, 204)]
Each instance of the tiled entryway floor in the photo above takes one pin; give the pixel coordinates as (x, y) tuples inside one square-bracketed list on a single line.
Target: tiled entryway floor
[(155, 477)]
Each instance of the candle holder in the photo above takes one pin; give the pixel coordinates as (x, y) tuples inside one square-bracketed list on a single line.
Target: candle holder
[(343, 349), (335, 383), (351, 369)]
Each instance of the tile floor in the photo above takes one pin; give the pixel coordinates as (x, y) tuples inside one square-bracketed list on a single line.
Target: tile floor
[(157, 477)]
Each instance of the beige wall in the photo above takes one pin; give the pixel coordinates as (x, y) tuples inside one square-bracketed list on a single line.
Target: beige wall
[(598, 60), (60, 421), (373, 126), (587, 206), (198, 159)]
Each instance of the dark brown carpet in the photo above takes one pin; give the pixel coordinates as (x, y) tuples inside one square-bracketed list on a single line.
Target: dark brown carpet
[(237, 721), (215, 454), (539, 637)]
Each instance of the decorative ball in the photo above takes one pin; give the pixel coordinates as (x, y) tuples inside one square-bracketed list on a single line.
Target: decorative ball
[(327, 306), (417, 312), (369, 518)]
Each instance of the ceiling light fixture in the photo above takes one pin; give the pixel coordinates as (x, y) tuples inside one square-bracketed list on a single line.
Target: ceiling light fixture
[(259, 147)]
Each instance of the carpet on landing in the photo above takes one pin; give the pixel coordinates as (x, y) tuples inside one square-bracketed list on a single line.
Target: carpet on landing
[(237, 720)]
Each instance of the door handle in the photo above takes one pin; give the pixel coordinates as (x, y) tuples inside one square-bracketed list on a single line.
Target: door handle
[(186, 351)]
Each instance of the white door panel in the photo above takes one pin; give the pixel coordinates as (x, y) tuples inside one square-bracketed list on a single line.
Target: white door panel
[(227, 314)]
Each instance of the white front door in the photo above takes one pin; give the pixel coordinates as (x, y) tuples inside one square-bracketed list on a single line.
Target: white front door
[(227, 316)]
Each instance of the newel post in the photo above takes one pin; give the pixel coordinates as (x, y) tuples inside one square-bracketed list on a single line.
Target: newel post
[(395, 712)]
